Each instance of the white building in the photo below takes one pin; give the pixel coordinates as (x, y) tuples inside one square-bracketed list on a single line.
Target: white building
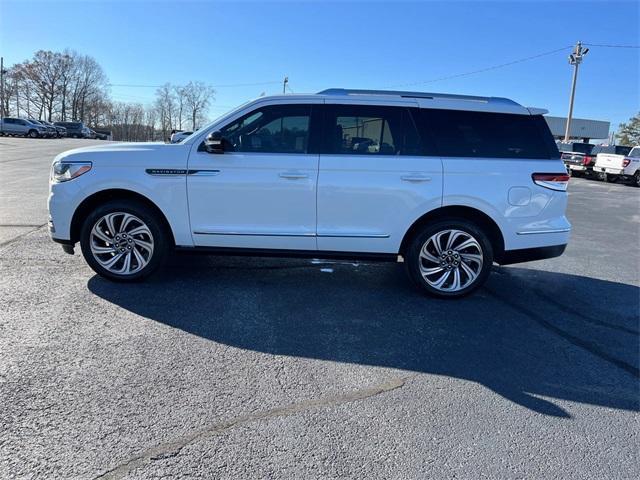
[(581, 129)]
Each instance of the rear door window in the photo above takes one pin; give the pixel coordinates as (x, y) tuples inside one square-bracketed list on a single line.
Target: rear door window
[(486, 134), (369, 130)]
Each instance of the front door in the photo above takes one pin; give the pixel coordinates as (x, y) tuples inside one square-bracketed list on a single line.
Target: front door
[(261, 192)]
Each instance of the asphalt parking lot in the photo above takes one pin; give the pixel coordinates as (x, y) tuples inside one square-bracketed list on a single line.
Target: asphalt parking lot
[(269, 368)]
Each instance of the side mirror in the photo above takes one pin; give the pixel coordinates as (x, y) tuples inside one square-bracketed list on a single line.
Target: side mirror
[(214, 142)]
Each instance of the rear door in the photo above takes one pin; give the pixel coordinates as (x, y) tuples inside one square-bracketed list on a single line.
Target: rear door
[(373, 181), (22, 127), (8, 126)]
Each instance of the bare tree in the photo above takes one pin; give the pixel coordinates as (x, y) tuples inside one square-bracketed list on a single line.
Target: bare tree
[(68, 71), (70, 86), (89, 82), (198, 96), (165, 106), (12, 87), (180, 95)]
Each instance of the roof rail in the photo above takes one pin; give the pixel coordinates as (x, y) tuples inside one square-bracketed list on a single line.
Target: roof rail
[(405, 94)]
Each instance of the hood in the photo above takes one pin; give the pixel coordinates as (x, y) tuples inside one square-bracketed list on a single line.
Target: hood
[(124, 152)]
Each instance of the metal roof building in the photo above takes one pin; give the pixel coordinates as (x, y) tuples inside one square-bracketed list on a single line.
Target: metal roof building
[(581, 128)]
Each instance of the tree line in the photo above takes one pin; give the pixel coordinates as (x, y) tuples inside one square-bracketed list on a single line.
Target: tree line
[(68, 86)]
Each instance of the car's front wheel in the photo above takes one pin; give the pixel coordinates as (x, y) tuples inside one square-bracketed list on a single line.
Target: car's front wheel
[(450, 258), (124, 241)]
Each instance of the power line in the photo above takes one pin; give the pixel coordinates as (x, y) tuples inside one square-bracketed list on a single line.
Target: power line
[(611, 46), (486, 69), (231, 85)]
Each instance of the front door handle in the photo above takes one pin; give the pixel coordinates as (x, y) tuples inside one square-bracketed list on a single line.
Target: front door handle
[(293, 175), (415, 178)]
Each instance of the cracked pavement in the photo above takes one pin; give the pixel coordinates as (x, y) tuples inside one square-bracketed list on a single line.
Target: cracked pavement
[(269, 368)]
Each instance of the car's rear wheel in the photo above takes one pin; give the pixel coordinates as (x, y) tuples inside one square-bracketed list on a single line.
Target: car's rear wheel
[(575, 173), (610, 178), (449, 258), (124, 241), (636, 179)]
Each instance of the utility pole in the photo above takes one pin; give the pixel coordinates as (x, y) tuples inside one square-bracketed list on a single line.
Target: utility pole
[(284, 85), (575, 59)]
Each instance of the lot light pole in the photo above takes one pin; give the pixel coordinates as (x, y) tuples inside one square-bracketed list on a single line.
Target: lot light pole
[(2, 87), (575, 59), (284, 85)]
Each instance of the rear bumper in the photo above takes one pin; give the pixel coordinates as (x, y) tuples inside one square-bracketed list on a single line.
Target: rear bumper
[(530, 254), (612, 171)]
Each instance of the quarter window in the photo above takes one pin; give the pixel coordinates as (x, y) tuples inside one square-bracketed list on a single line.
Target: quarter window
[(483, 134), (272, 129)]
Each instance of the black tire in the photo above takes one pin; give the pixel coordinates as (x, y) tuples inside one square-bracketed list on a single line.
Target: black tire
[(575, 173), (159, 236), (610, 178), (413, 261), (600, 176), (636, 179), (33, 134)]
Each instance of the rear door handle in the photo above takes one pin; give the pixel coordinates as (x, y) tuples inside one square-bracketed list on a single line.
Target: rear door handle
[(293, 175), (415, 178)]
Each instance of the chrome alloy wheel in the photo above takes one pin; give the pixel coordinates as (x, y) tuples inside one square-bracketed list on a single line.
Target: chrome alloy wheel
[(121, 243), (450, 260)]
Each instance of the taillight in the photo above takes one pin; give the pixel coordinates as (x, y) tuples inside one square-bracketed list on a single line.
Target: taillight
[(552, 181), (587, 160), (626, 162)]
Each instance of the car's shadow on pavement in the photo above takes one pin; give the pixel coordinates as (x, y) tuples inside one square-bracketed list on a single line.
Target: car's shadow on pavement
[(528, 334)]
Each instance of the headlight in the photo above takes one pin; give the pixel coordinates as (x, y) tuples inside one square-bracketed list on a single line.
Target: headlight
[(65, 171)]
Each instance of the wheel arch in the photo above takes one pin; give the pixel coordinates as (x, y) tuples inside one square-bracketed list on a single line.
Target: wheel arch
[(98, 198), (484, 221)]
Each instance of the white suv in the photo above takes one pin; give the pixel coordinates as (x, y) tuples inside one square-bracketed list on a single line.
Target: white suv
[(448, 184)]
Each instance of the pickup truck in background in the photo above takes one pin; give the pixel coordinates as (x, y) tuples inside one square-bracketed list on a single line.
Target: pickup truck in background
[(618, 163), (577, 157)]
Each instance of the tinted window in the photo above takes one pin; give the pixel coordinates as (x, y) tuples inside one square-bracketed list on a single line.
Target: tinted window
[(635, 152), (483, 134), (273, 129), (369, 130), (616, 149), (622, 150), (575, 147)]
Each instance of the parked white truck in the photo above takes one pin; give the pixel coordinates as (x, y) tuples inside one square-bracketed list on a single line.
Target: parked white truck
[(622, 164)]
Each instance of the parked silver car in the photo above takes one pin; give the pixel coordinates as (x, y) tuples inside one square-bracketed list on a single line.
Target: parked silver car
[(22, 127)]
